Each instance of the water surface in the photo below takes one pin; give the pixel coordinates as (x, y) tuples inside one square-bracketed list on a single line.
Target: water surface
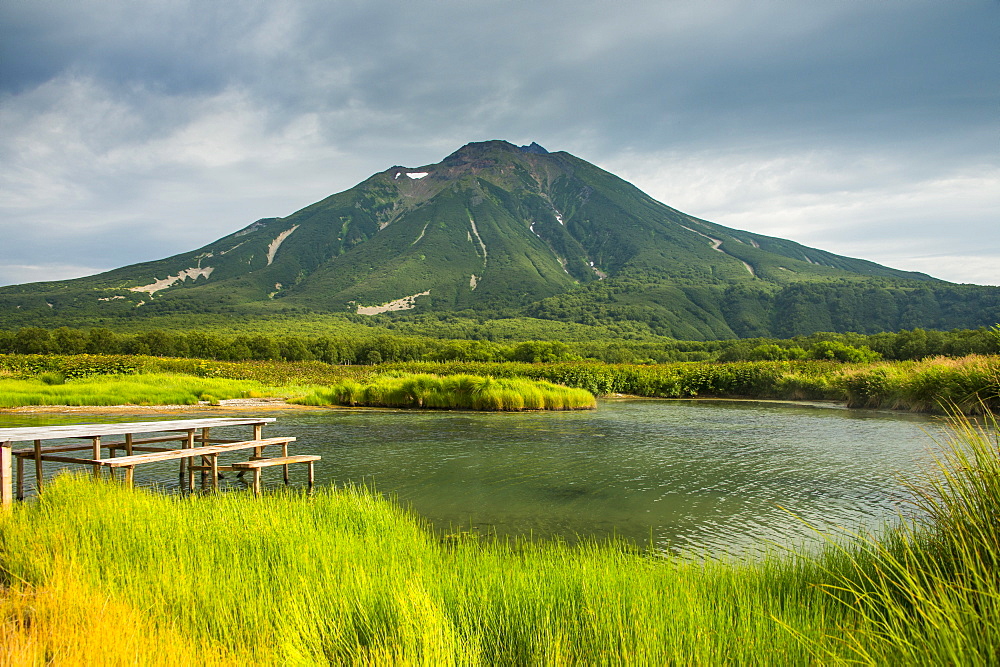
[(689, 475)]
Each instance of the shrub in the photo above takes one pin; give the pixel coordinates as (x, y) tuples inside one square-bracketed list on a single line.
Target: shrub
[(837, 351), (51, 378)]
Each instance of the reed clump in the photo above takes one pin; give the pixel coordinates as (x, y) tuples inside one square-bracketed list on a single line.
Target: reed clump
[(454, 392), (970, 384)]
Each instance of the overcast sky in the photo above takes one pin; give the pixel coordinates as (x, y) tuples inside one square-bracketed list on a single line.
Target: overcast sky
[(131, 131)]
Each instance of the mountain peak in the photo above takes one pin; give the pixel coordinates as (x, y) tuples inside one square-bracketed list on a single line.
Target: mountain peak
[(476, 149), (534, 148)]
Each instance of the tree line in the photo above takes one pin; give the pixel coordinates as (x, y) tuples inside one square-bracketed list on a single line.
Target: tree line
[(384, 347)]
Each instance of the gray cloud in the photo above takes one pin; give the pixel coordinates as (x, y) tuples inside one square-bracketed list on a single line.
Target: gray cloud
[(137, 130)]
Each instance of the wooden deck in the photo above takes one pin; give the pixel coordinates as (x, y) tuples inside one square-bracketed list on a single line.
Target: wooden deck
[(192, 435)]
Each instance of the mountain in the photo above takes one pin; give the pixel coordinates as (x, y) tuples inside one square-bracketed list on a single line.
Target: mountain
[(497, 229)]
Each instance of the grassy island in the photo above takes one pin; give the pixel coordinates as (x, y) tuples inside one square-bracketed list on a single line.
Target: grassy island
[(461, 392)]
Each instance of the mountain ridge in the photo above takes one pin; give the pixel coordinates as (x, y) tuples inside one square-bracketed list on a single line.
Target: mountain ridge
[(495, 228)]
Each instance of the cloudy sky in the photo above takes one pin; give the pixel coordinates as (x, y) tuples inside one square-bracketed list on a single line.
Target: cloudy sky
[(131, 131)]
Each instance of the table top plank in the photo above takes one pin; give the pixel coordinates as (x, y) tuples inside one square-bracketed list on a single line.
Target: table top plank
[(91, 430)]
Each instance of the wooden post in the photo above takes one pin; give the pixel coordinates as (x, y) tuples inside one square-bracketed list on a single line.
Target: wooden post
[(189, 444), (129, 481), (38, 466), (97, 456), (284, 452), (215, 472), (20, 478), (6, 481), (312, 477), (257, 430), (130, 476)]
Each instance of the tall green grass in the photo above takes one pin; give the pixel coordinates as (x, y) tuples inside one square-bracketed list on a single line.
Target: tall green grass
[(346, 577), (970, 382), (462, 392), (928, 591)]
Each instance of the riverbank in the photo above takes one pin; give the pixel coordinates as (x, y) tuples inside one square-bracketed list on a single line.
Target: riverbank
[(239, 404), (972, 383)]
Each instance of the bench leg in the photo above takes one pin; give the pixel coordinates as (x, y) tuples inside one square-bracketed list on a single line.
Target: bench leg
[(97, 455), (284, 468), (130, 476), (38, 466), (215, 472), (20, 478), (6, 483), (312, 477), (256, 481)]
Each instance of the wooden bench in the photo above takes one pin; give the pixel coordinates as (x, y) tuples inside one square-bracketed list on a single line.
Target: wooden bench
[(188, 432), (209, 454), (256, 465)]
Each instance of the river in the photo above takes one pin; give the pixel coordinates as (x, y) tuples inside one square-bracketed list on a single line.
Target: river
[(691, 476)]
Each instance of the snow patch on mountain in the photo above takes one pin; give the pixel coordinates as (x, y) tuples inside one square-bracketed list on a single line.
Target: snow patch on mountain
[(223, 252), (249, 229), (276, 243), (422, 234), (406, 303), (475, 233), (193, 273), (716, 243)]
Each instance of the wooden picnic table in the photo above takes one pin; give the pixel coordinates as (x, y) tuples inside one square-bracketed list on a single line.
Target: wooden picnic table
[(190, 432)]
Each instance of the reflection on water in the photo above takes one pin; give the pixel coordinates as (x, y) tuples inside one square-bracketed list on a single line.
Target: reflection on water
[(701, 476)]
